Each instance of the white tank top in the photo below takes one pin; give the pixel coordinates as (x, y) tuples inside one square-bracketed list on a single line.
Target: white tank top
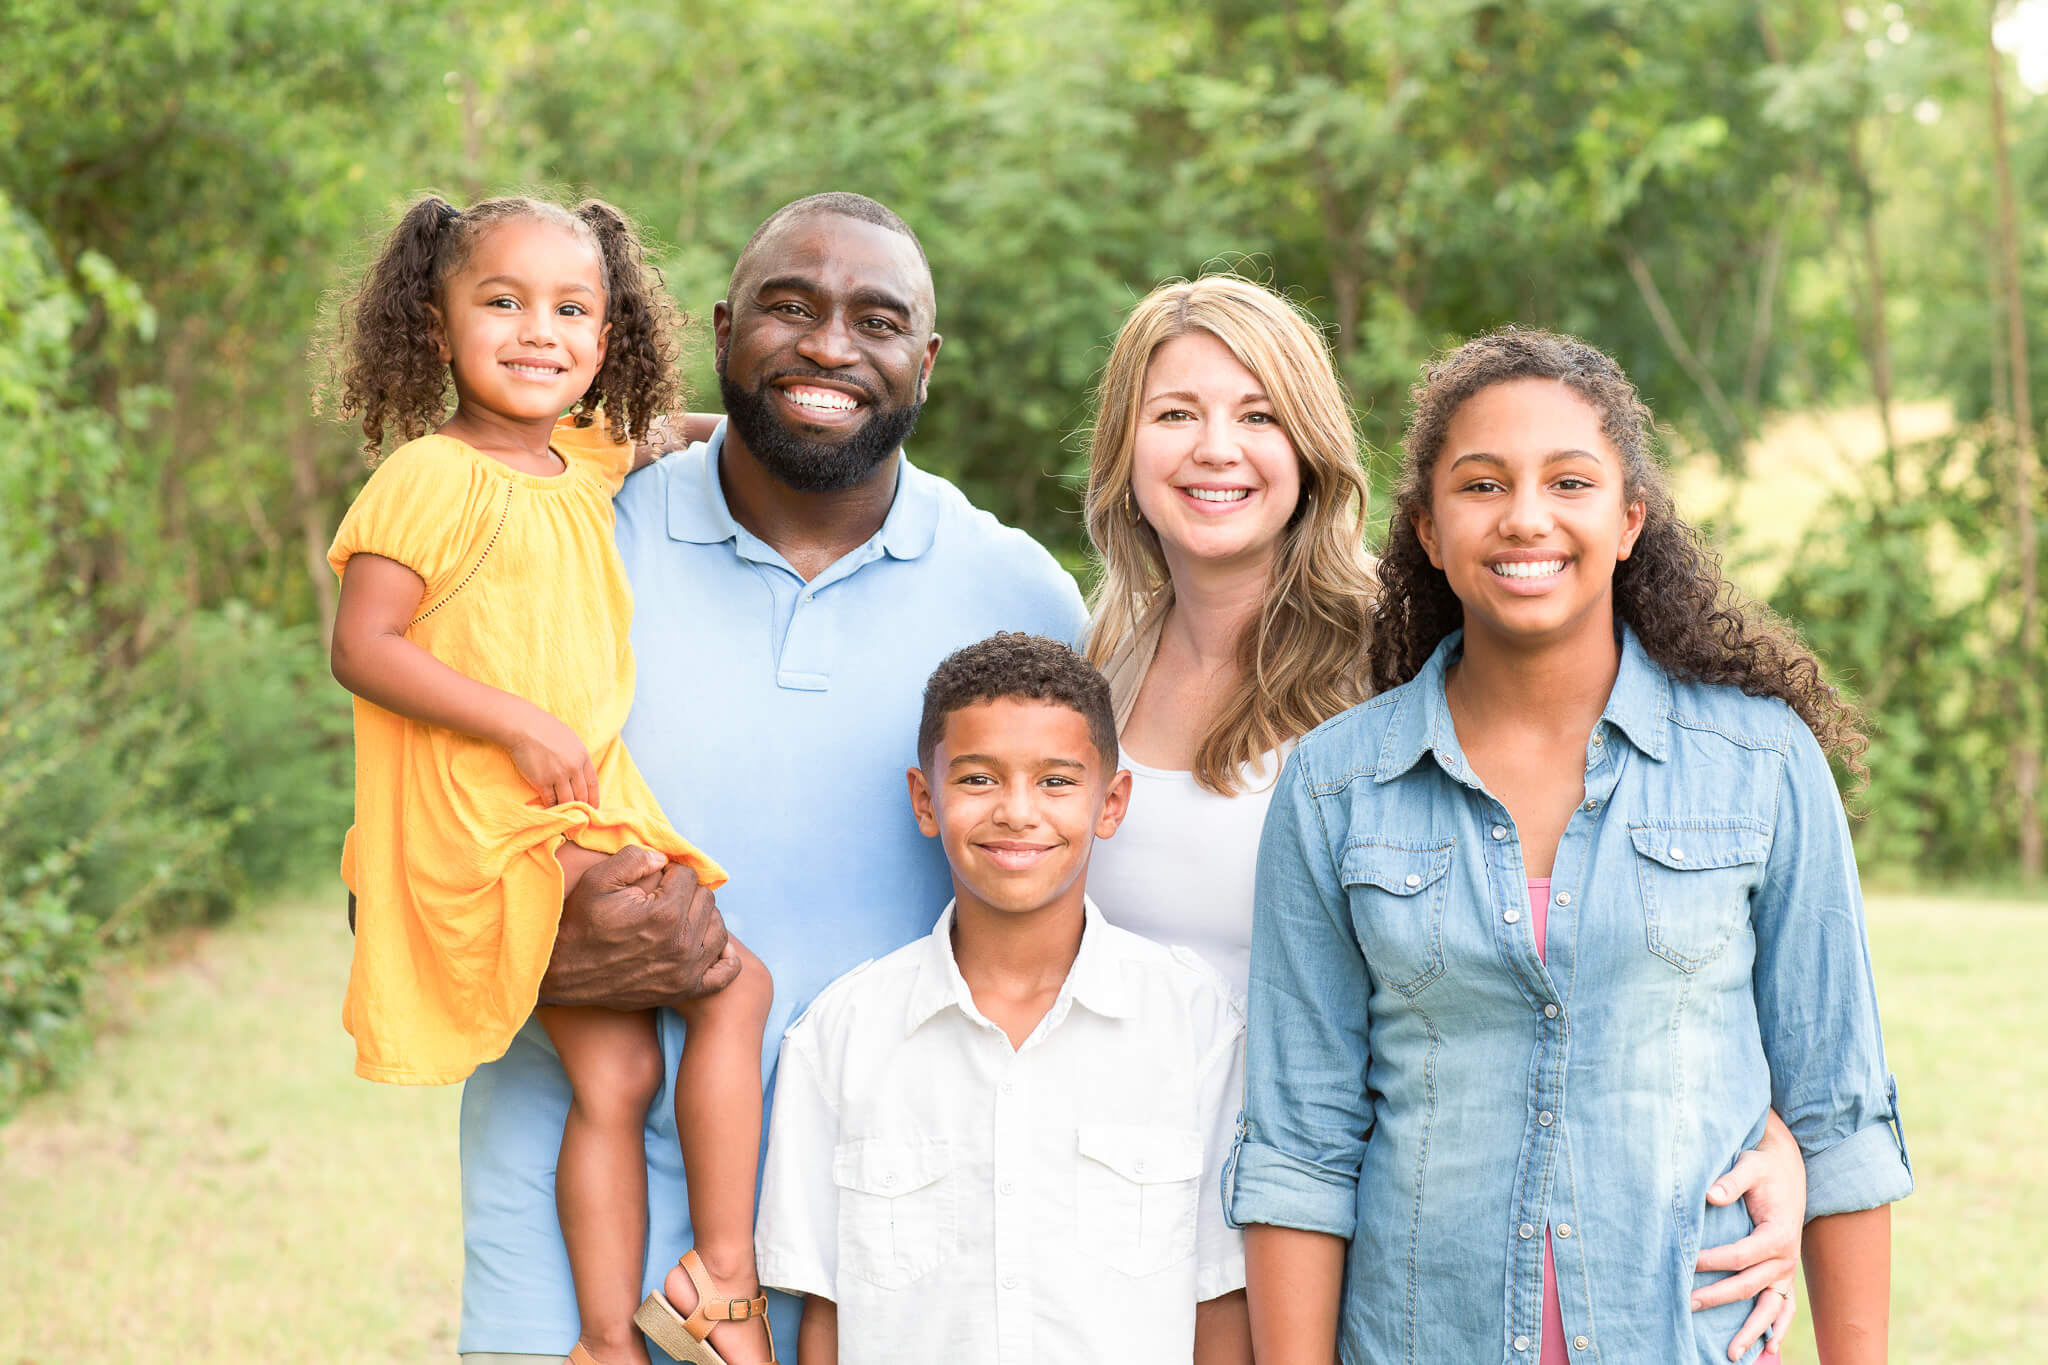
[(1180, 868)]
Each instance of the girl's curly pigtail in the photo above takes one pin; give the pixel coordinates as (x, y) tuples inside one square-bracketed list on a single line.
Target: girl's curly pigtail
[(637, 381), (391, 369)]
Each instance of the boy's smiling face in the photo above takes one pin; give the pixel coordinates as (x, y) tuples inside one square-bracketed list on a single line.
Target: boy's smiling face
[(1018, 793)]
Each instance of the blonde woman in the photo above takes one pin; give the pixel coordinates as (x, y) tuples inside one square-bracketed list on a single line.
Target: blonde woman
[(1232, 616)]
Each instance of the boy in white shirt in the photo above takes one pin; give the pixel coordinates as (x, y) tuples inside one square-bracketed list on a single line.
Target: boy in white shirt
[(1003, 1143)]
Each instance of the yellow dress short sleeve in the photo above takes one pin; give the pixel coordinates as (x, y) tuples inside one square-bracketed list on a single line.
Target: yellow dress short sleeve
[(425, 506)]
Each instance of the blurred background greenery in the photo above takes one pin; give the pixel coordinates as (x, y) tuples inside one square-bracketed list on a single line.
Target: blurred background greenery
[(1811, 229)]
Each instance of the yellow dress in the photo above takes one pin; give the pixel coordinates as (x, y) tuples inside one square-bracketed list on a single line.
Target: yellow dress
[(451, 859)]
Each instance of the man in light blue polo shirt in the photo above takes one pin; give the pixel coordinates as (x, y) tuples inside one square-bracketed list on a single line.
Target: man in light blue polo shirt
[(796, 580)]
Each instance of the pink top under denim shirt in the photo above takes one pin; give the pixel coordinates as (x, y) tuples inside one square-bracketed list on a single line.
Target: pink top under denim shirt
[(1553, 1313), (1423, 1082)]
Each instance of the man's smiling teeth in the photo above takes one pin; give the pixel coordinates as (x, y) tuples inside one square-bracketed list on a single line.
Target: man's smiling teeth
[(828, 400), (1218, 494), (1530, 568)]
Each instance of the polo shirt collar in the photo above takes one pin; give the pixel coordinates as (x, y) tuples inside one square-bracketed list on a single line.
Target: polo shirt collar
[(697, 510), (1639, 705), (1096, 980)]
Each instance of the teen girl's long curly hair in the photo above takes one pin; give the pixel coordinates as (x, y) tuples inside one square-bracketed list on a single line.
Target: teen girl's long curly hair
[(1302, 660), (387, 366), (1669, 590)]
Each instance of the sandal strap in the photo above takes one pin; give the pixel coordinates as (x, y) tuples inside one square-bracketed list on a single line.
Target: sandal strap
[(711, 1305)]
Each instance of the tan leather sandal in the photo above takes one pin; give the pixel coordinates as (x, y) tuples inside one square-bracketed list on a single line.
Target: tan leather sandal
[(579, 1356), (684, 1337)]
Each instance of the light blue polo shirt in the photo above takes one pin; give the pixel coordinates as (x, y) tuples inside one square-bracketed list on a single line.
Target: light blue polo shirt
[(773, 718)]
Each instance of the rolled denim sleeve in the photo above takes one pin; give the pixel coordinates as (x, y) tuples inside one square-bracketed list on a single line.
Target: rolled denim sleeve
[(1302, 1136), (1817, 1001)]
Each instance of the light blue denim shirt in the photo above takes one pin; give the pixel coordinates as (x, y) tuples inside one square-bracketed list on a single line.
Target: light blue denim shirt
[(773, 719), (1421, 1082)]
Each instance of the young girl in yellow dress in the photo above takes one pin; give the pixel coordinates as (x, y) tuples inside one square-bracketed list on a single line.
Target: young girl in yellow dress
[(483, 628)]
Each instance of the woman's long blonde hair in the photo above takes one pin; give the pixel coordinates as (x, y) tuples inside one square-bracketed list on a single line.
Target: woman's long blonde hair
[(1304, 659)]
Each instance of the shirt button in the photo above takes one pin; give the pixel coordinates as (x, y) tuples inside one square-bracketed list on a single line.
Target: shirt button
[(1580, 1343), (1550, 1011), (1564, 898), (1677, 854), (1008, 1087), (1598, 739), (1413, 880), (1564, 1229), (1512, 915), (1527, 1231), (1592, 803), (1006, 1187), (1545, 1118), (1010, 1282), (888, 1180), (1139, 1165), (1521, 1343), (1500, 831)]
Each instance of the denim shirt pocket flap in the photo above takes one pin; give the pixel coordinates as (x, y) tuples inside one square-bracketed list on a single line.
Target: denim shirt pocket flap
[(1696, 875), (890, 1167), (1398, 869), (1695, 845), (1142, 1154), (1397, 895)]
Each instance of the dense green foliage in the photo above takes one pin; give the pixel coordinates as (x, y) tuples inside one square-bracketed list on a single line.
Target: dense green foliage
[(1756, 207)]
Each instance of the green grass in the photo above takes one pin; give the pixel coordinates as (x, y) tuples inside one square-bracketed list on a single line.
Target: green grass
[(219, 1187)]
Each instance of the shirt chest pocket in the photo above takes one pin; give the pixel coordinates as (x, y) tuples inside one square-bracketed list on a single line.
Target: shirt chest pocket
[(1696, 876), (898, 1208), (1136, 1196), (1397, 893)]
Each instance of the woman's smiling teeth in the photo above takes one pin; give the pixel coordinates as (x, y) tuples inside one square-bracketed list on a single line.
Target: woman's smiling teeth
[(1218, 494), (1528, 568)]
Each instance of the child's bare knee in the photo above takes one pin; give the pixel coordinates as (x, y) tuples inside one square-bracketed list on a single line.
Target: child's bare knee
[(752, 991), (621, 1081), (743, 1004)]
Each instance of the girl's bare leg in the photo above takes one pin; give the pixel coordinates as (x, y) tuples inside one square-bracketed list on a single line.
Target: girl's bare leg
[(613, 1061), (718, 1118)]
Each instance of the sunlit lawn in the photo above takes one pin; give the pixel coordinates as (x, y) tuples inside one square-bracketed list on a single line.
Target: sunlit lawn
[(218, 1187)]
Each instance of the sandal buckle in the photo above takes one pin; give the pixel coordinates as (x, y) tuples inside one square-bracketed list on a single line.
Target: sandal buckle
[(737, 1310)]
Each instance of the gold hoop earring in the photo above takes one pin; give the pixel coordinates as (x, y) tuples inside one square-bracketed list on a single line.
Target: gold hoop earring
[(1130, 508)]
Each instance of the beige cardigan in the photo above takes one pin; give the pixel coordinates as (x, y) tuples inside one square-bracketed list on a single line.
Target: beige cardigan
[(1132, 660)]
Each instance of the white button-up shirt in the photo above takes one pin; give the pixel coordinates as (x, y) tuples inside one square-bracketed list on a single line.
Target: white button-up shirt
[(963, 1200)]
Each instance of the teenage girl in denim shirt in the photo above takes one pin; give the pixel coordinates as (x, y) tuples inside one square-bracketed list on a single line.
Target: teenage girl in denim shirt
[(1574, 897)]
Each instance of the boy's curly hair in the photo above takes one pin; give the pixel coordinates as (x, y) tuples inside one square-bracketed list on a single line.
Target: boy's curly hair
[(1011, 664), (383, 355), (1669, 590)]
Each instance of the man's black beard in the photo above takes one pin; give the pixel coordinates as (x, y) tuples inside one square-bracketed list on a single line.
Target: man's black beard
[(813, 466)]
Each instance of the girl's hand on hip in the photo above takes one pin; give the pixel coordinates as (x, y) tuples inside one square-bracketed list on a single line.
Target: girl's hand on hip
[(554, 762), (1771, 1181)]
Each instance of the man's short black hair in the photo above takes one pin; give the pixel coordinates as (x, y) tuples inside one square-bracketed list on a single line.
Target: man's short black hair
[(842, 203), (1011, 665)]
